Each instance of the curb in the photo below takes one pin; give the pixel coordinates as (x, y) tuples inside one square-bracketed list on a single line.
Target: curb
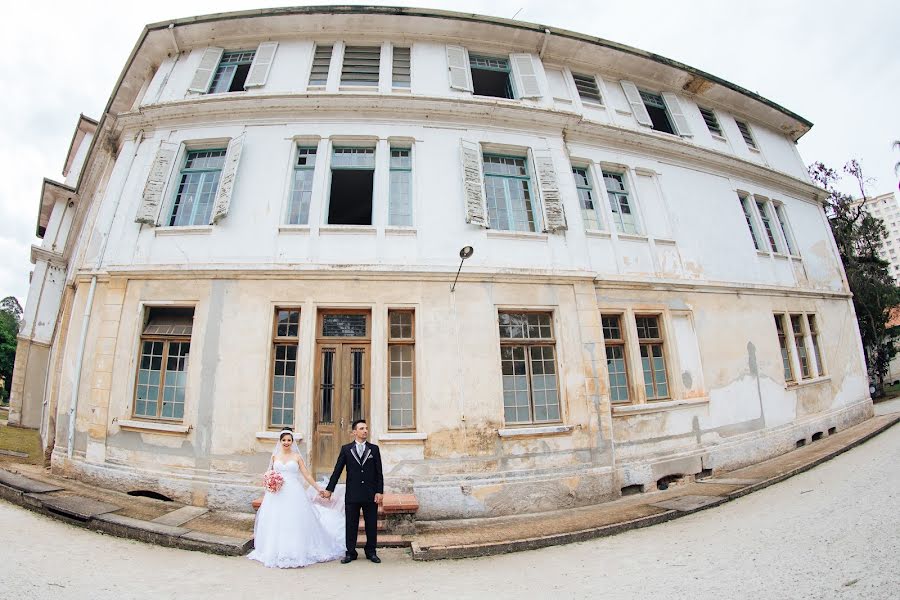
[(503, 547)]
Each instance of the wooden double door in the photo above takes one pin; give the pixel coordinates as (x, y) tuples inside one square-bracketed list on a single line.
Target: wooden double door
[(342, 386)]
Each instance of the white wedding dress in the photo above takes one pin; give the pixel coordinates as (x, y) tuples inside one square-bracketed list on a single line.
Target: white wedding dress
[(295, 527)]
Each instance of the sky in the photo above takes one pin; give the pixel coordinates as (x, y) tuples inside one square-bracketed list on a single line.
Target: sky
[(835, 63)]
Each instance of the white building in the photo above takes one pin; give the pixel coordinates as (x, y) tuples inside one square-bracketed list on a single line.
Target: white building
[(263, 229), (887, 208)]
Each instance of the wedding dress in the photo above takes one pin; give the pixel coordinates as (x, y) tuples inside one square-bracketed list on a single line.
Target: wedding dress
[(295, 527)]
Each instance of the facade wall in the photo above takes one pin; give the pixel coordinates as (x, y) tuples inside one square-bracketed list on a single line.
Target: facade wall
[(691, 262)]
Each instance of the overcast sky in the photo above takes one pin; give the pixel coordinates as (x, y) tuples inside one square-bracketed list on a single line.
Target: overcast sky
[(833, 62)]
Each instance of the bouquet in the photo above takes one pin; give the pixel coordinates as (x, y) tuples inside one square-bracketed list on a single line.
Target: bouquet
[(273, 480)]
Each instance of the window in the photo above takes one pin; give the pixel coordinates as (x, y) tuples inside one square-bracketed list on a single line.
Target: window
[(619, 202), (587, 88), (162, 369), (659, 114), (401, 352), (745, 133), (785, 349), (814, 338), (286, 339), (231, 74), (401, 187), (785, 229), (712, 123), (653, 359), (767, 225), (508, 188), (301, 192), (800, 341), (490, 76), (361, 66), (751, 224), (197, 187), (528, 364), (318, 75), (586, 198), (352, 175), (400, 73), (614, 340)]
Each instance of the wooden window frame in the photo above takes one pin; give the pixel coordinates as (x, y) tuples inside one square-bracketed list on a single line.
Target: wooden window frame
[(650, 343), (411, 342), (799, 338), (591, 189), (613, 197), (535, 208), (302, 149), (277, 341), (167, 340), (813, 329), (399, 147), (529, 343), (785, 347), (622, 343)]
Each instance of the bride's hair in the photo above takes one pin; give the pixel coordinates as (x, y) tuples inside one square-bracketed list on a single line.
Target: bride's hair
[(286, 431)]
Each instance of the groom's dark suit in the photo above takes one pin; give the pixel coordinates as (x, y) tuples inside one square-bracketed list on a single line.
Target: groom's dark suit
[(364, 480)]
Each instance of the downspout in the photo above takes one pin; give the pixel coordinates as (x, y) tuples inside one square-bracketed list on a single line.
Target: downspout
[(82, 342)]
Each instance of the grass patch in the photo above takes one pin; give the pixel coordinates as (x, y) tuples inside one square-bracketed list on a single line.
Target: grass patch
[(890, 391), (21, 440)]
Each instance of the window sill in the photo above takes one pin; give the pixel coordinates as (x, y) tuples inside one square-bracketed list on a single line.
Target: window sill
[(790, 385), (403, 436), (400, 230), (521, 235), (633, 237), (752, 149), (719, 138), (764, 253), (590, 104), (294, 229), (623, 112), (154, 426), (665, 241), (348, 229), (401, 90), (185, 230), (534, 431), (273, 435), (598, 233), (657, 406), (780, 255)]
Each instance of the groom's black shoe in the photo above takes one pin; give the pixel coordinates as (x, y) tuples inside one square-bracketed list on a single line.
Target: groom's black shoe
[(374, 558), (347, 559)]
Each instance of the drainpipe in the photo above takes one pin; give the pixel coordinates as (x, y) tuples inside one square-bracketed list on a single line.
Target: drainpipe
[(82, 342)]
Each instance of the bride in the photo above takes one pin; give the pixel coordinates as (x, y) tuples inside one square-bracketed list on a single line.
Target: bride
[(294, 527)]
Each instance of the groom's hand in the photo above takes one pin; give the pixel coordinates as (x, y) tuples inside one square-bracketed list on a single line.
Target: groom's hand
[(325, 494), (378, 498)]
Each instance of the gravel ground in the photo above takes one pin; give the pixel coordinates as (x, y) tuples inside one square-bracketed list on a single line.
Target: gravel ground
[(832, 532)]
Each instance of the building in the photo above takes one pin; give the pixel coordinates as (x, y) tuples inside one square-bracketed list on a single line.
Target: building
[(264, 227), (887, 208)]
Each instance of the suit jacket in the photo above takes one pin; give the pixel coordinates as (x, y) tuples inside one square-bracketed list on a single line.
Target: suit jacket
[(364, 477)]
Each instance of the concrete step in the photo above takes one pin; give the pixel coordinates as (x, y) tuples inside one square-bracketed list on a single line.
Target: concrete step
[(385, 541)]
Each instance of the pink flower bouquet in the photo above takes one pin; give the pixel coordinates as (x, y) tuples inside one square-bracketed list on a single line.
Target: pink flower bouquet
[(273, 480)]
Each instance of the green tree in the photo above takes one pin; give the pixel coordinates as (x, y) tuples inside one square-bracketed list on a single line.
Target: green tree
[(10, 321), (859, 236)]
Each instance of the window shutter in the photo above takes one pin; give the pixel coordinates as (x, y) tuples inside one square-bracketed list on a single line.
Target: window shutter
[(674, 105), (262, 63), (151, 199), (554, 213), (458, 63), (525, 74), (637, 104), (473, 184), (204, 74), (226, 181)]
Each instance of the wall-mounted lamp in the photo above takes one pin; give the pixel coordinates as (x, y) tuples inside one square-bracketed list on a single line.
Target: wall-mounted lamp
[(466, 252)]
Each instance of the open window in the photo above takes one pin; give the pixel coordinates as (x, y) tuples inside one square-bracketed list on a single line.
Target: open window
[(352, 179), (491, 76), (162, 369)]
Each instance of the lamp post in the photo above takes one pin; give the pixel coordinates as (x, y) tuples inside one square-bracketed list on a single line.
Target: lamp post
[(466, 252)]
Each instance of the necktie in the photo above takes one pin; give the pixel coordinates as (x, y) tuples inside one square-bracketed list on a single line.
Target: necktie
[(360, 448)]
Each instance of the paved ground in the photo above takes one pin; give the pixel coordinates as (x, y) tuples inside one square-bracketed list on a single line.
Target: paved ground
[(832, 532)]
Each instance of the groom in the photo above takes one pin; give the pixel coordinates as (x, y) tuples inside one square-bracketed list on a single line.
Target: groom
[(365, 486)]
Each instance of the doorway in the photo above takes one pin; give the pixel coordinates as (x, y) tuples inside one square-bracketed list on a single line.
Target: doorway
[(342, 388)]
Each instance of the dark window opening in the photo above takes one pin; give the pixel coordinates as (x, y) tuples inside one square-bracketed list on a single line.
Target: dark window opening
[(658, 113), (490, 77), (351, 197), (240, 77)]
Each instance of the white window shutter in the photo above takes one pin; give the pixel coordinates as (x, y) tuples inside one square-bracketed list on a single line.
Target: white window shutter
[(458, 64), (203, 76), (473, 184), (151, 199), (637, 104), (548, 183), (262, 63), (226, 181), (525, 75), (674, 105)]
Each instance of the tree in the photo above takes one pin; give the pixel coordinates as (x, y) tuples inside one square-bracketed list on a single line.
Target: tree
[(10, 321), (858, 236)]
